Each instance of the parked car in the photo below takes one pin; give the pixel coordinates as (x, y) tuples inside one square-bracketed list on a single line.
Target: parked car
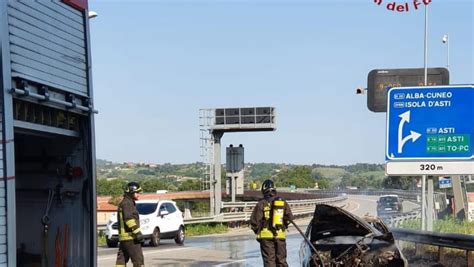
[(344, 239), (389, 204), (159, 219)]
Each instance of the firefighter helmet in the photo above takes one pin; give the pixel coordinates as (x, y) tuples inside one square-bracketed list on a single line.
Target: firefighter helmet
[(268, 186), (132, 187)]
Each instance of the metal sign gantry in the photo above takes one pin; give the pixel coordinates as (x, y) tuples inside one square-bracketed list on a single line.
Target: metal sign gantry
[(220, 121)]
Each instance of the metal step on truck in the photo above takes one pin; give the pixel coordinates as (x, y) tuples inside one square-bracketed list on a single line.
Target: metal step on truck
[(47, 151)]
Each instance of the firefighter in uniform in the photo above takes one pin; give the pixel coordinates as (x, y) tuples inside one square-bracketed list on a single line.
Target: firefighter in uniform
[(130, 236), (270, 218)]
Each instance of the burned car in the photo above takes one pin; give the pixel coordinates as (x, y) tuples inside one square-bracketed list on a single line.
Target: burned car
[(339, 238)]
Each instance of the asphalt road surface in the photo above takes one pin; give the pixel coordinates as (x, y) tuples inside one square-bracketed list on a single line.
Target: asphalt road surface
[(236, 248)]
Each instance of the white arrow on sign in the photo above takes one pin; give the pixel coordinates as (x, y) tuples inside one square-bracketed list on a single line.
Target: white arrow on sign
[(405, 117)]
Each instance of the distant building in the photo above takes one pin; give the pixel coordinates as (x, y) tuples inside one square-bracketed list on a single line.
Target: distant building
[(129, 164), (104, 210)]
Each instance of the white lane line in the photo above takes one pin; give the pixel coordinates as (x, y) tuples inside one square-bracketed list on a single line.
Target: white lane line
[(146, 253), (230, 262), (366, 199), (358, 206)]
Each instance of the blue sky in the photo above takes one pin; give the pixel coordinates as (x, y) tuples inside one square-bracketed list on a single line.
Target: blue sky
[(156, 63)]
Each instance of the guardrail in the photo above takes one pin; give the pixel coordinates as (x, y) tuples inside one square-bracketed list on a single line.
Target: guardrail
[(406, 194), (396, 220), (441, 240), (241, 211), (204, 219)]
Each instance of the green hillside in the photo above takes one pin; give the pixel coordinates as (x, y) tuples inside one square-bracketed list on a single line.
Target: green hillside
[(177, 177)]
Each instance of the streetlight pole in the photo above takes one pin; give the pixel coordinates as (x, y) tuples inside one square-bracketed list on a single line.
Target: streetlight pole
[(423, 177), (426, 45), (446, 41), (426, 210)]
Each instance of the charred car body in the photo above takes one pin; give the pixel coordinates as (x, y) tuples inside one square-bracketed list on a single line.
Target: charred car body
[(343, 239)]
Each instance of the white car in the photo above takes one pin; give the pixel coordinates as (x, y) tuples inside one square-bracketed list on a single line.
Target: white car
[(159, 219)]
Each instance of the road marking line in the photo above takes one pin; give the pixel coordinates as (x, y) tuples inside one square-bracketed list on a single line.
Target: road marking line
[(358, 206), (146, 253), (367, 199), (230, 262)]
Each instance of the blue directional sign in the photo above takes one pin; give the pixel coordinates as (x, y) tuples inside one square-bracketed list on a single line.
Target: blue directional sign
[(431, 123), (445, 182)]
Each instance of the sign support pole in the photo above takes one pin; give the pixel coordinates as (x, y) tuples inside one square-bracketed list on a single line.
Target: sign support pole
[(430, 208), (423, 202), (459, 206), (216, 182), (233, 187)]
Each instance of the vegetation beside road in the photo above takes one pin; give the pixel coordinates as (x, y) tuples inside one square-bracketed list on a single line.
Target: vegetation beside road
[(452, 257), (101, 239), (206, 229), (448, 225)]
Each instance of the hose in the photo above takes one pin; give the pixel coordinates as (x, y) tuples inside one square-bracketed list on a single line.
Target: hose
[(46, 220), (57, 248), (66, 243), (309, 243)]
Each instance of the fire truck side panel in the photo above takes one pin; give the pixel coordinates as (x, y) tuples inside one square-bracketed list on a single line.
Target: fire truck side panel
[(47, 153)]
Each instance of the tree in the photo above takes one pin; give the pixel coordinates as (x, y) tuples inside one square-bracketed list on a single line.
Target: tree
[(110, 187), (263, 169), (146, 172), (324, 183), (346, 180), (152, 184), (189, 185), (316, 175), (399, 182), (299, 176)]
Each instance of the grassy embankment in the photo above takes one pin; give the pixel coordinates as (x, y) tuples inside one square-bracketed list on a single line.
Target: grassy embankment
[(447, 225)]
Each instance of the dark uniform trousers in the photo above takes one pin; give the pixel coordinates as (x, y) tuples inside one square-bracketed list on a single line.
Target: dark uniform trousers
[(130, 250), (273, 252)]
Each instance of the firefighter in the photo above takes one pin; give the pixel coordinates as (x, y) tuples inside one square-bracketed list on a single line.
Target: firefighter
[(130, 236), (270, 218)]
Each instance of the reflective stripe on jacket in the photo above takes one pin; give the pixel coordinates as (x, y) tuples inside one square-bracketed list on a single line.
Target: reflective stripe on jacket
[(267, 234), (261, 220), (128, 219)]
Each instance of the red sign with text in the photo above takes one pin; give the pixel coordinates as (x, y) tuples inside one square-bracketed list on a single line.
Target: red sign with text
[(80, 5), (401, 6)]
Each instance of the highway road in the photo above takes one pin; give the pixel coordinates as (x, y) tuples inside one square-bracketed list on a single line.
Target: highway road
[(236, 248)]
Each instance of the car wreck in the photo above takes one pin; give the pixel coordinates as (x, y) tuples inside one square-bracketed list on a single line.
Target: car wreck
[(336, 237)]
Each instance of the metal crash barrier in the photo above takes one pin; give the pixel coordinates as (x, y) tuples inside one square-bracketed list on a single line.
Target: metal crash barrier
[(241, 211), (441, 240)]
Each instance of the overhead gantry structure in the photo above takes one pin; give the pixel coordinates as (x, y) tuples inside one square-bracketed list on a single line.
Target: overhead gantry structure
[(214, 123)]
